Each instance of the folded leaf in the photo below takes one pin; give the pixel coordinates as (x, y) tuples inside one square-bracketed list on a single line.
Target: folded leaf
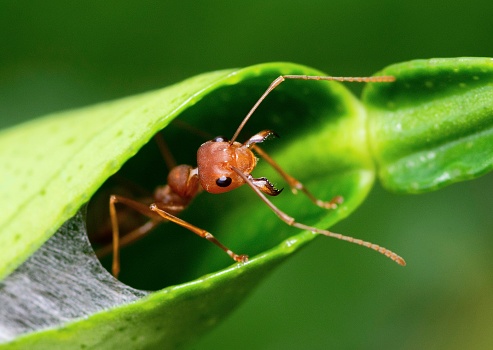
[(55, 164)]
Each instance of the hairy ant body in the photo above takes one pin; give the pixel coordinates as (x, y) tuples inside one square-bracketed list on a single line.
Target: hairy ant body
[(223, 165)]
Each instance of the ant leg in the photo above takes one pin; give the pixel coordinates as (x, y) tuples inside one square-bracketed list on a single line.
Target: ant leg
[(295, 184), (133, 236), (165, 152), (291, 222), (183, 125), (198, 231), (129, 238)]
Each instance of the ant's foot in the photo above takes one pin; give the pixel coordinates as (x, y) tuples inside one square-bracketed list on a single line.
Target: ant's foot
[(332, 204), (240, 258)]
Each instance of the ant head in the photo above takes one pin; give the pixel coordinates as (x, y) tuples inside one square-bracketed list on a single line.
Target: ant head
[(215, 160)]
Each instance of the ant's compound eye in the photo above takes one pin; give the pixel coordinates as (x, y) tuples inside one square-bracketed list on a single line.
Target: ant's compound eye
[(223, 181), (219, 139)]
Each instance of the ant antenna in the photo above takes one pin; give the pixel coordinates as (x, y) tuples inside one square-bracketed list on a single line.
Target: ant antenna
[(280, 79)]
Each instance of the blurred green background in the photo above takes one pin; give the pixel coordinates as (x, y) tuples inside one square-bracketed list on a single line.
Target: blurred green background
[(56, 55)]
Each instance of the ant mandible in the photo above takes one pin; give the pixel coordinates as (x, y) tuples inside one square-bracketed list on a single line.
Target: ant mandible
[(222, 166)]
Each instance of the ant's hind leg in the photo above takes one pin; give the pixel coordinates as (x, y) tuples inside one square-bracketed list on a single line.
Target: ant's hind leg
[(295, 184)]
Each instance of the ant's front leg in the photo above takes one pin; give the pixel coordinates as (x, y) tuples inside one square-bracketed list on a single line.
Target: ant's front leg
[(257, 187), (295, 184), (198, 231)]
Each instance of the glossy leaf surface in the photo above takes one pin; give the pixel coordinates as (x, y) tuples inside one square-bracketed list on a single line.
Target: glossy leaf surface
[(434, 125)]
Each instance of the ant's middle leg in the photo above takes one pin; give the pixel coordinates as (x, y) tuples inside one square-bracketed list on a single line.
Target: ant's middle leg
[(295, 184)]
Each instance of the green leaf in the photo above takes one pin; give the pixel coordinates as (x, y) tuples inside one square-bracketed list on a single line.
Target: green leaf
[(434, 125), (55, 164)]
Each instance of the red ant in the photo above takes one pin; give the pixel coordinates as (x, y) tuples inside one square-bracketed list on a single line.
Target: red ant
[(222, 166)]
